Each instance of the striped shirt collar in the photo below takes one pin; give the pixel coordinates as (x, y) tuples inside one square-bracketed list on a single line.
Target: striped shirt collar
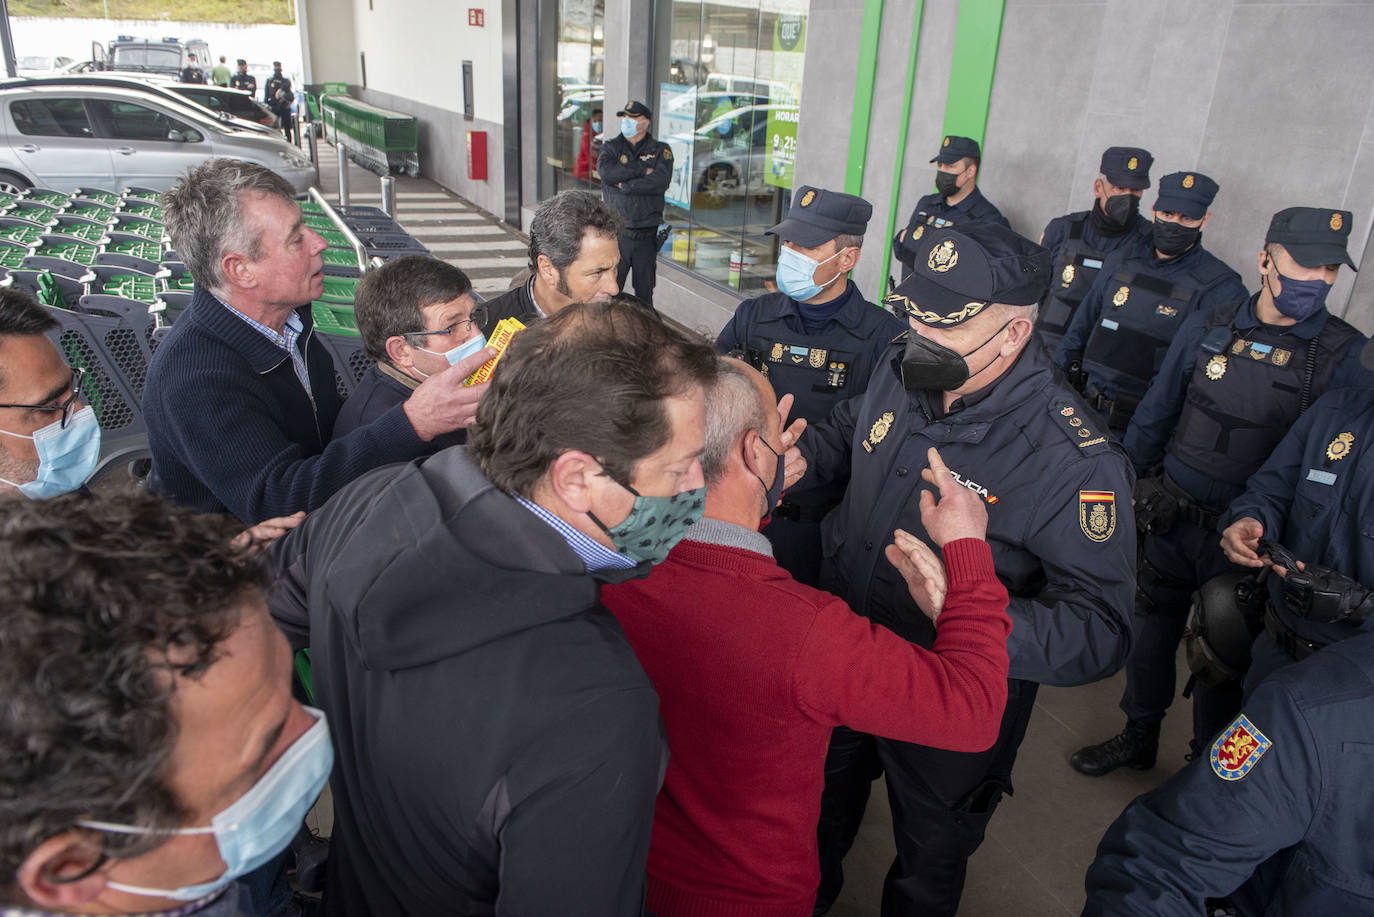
[(594, 554), (285, 340)]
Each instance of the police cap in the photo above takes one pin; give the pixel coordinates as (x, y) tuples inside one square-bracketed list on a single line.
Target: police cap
[(242, 62), (817, 216), (953, 149), (635, 109), (1188, 193), (965, 268), (1127, 167), (1313, 236)]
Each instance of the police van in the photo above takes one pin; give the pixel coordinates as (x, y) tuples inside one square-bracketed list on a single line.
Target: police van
[(150, 55)]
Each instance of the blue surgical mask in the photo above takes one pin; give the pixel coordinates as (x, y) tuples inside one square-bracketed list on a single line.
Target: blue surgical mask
[(655, 524), (463, 350), (1298, 299), (796, 274), (66, 455), (628, 127), (260, 823), (596, 127)]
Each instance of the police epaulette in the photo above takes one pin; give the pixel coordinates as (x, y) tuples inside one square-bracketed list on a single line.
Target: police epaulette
[(1070, 419)]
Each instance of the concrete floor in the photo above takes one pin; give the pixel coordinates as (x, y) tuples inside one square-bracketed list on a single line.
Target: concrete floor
[(1042, 839)]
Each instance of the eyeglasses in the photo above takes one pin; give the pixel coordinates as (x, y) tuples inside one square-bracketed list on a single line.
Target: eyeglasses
[(478, 317), (68, 406)]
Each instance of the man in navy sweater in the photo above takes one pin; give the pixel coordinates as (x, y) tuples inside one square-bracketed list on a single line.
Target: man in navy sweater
[(240, 399)]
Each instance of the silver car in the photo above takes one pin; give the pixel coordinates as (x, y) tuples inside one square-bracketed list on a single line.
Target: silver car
[(65, 137)]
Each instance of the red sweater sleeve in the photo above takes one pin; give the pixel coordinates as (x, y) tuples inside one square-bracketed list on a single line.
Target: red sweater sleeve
[(855, 673)]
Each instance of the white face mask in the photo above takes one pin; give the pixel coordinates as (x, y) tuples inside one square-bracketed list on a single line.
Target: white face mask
[(460, 353), (66, 455), (260, 823)]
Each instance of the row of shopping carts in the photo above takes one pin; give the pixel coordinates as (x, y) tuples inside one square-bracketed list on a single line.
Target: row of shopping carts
[(103, 265)]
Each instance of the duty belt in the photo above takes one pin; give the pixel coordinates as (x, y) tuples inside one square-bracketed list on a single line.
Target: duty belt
[(640, 232), (1116, 411), (1290, 641), (798, 513), (1188, 508)]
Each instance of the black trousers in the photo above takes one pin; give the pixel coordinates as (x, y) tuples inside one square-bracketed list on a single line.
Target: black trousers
[(640, 257), (941, 803), (1173, 565)]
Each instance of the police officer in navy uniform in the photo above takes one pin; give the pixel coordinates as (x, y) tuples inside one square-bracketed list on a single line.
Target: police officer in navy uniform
[(1080, 242), (1233, 382), (956, 199), (277, 95), (818, 339), (1281, 804), (243, 79), (1315, 497), (1059, 521), (192, 73), (635, 172), (1140, 298)]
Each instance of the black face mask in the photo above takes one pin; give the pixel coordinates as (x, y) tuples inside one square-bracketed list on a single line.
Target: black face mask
[(772, 492), (1116, 217), (947, 183), (932, 367), (1173, 239)]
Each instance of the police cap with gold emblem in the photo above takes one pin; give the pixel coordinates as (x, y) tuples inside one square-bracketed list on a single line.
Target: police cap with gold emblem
[(635, 109), (817, 216), (953, 149), (1188, 193), (1312, 235), (1127, 167), (961, 270)]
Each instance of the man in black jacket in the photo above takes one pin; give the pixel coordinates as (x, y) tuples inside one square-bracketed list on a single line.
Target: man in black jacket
[(499, 744), (574, 249), (635, 172)]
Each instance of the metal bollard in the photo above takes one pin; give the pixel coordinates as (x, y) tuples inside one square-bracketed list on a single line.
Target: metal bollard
[(389, 196), (343, 174)]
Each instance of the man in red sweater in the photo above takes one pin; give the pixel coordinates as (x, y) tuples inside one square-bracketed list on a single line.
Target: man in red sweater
[(753, 670)]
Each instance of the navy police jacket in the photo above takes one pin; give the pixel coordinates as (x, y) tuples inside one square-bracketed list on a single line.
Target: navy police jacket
[(1079, 252), (819, 369), (1315, 496), (932, 212), (1281, 803), (1135, 308), (627, 185), (1152, 429), (1058, 493)]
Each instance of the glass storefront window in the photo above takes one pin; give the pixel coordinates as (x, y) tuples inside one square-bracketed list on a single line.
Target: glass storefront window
[(571, 140), (727, 92)]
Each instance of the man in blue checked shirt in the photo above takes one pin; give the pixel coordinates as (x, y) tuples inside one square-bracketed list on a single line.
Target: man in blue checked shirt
[(501, 748)]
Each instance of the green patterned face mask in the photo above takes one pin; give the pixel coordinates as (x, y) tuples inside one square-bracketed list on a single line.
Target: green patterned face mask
[(655, 524)]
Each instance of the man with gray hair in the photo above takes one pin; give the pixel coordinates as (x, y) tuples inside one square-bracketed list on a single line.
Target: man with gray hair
[(754, 669), (240, 399), (574, 250)]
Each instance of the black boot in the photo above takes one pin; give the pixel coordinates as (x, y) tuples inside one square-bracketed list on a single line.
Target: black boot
[(1136, 747)]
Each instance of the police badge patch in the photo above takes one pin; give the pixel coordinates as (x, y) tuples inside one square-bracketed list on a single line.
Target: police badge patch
[(1097, 514), (816, 358), (1215, 368), (1067, 276), (1238, 749), (878, 432), (1339, 447), (1121, 296), (942, 257)]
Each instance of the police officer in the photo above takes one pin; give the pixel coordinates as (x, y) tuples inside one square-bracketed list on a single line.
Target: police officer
[(278, 96), (1139, 299), (818, 339), (1281, 804), (1315, 497), (192, 73), (635, 171), (956, 199), (1233, 382), (1080, 242), (1059, 520), (243, 79)]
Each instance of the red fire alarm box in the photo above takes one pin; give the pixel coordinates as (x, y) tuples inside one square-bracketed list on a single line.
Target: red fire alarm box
[(477, 155), (477, 17)]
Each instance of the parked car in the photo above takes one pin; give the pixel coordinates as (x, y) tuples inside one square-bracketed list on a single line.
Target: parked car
[(31, 64), (235, 102), (730, 155), (153, 84), (152, 55), (68, 136)]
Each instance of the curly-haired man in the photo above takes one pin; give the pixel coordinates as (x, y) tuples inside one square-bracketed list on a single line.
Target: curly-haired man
[(150, 750)]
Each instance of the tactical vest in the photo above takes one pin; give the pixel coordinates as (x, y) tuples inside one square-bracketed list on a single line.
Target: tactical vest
[(1075, 267), (1242, 401), (1141, 314)]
